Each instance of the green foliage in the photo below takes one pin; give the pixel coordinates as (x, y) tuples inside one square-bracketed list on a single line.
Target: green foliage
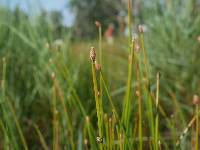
[(87, 12), (172, 44)]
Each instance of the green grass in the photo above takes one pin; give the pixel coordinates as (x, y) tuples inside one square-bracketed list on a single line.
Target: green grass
[(55, 97)]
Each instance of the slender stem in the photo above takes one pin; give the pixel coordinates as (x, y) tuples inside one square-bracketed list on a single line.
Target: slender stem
[(157, 115), (145, 60), (41, 137), (197, 127), (55, 116), (127, 100), (109, 96), (101, 84), (139, 105), (126, 115), (99, 110), (66, 114)]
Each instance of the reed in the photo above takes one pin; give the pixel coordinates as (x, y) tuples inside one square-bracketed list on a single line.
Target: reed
[(97, 98)]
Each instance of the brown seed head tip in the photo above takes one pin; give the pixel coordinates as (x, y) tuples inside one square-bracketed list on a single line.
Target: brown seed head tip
[(98, 24), (120, 135), (53, 75), (158, 75), (98, 93), (172, 115), (137, 47), (97, 66), (87, 118), (196, 100), (86, 141), (137, 93), (141, 28), (198, 38), (93, 54)]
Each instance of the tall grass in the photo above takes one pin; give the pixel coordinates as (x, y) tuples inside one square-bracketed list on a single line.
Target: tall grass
[(51, 100)]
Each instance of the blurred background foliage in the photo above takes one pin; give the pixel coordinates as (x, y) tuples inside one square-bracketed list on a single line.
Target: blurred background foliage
[(30, 45)]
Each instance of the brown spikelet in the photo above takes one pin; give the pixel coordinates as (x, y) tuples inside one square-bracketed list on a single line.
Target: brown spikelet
[(198, 39), (196, 100), (136, 47), (97, 66), (93, 54), (98, 24), (141, 28)]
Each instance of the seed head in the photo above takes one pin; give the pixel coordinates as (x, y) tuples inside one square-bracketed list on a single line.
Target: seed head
[(53, 75), (137, 93), (198, 38), (93, 54), (98, 24), (99, 140), (136, 47), (196, 100), (97, 66), (86, 141), (110, 120), (141, 28), (158, 75), (87, 119)]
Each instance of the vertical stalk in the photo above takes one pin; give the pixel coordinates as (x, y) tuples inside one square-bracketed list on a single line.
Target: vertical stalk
[(101, 61), (55, 116), (66, 114), (98, 24), (91, 134), (138, 93), (145, 60), (197, 128), (127, 102), (157, 115), (147, 84), (101, 83), (97, 99), (106, 130)]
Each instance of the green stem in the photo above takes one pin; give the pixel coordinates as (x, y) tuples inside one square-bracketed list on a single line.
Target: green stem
[(157, 115), (98, 106), (55, 117), (139, 106), (197, 127)]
